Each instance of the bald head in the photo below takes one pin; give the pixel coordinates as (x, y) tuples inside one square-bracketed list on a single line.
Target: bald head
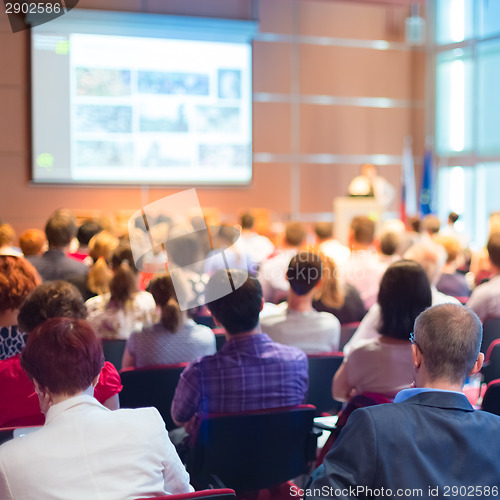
[(449, 338)]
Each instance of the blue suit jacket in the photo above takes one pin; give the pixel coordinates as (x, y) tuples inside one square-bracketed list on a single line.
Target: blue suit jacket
[(55, 265), (431, 442)]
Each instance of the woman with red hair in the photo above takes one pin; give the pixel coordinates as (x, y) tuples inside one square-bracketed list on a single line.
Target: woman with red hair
[(84, 450)]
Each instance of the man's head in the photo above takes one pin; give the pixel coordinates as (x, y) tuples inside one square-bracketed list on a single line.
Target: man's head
[(362, 230), (32, 242), (431, 224), (304, 272), (247, 221), (323, 230), (60, 229), (87, 231), (447, 339), (430, 256), (295, 234), (493, 247), (237, 312)]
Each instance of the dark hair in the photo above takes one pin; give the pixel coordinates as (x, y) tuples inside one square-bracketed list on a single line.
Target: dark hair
[(389, 242), (123, 284), (53, 299), (449, 337), (60, 229), (87, 230), (239, 310), (323, 230), (493, 247), (17, 278), (363, 229), (304, 272), (404, 293), (247, 221), (121, 254), (63, 355), (453, 217), (295, 233), (161, 287)]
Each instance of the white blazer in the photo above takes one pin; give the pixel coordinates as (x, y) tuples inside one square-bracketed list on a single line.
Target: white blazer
[(85, 451)]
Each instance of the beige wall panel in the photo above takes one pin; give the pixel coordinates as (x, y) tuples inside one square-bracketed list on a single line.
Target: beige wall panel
[(271, 127), (353, 130), (320, 184), (353, 72), (13, 57), (418, 131), (418, 66), (275, 16), (352, 20), (238, 9), (14, 124), (271, 67)]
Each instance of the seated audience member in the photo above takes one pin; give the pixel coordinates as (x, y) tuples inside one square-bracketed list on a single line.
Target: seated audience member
[(382, 364), (18, 402), (54, 264), (389, 244), (451, 282), (7, 239), (250, 372), (175, 339), (257, 246), (431, 439), (296, 322), (272, 272), (430, 225), (84, 234), (485, 298), (451, 230), (124, 309), (328, 245), (32, 242), (340, 299), (363, 270), (84, 450), (17, 278), (432, 258)]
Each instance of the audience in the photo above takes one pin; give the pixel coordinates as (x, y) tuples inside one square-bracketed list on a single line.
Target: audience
[(485, 298), (32, 242), (84, 234), (175, 339), (431, 440), (296, 322), (382, 364), (17, 279), (84, 450), (340, 299), (7, 239), (54, 264), (272, 273), (18, 403), (250, 372), (124, 309), (363, 270), (328, 245), (257, 246), (430, 225)]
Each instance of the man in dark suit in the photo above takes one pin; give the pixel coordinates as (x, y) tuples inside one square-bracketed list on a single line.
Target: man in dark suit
[(54, 264), (430, 442)]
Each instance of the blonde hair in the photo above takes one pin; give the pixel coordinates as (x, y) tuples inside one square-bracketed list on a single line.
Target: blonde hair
[(331, 292), (103, 244), (99, 277), (7, 235), (451, 245)]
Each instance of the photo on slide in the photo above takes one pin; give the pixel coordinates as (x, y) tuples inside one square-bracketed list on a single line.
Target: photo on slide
[(160, 153), (229, 83), (159, 82), (162, 117), (217, 119), (104, 154), (224, 155), (95, 119), (103, 82)]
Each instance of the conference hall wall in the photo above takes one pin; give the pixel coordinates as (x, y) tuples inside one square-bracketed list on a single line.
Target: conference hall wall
[(334, 86)]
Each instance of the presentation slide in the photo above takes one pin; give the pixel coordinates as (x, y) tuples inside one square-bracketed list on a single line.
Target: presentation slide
[(138, 109)]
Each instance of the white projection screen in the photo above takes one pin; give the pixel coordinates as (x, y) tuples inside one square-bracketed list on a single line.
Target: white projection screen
[(126, 98)]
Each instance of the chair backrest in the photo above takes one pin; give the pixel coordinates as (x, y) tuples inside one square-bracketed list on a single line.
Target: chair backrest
[(491, 332), (215, 494), (322, 368), (113, 351), (346, 332), (253, 450), (491, 398), (153, 386), (491, 367), (6, 434)]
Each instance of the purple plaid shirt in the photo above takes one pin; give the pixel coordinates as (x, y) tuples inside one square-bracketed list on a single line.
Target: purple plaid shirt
[(248, 373)]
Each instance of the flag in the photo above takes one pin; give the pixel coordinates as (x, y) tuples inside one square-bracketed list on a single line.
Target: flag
[(408, 204), (427, 185)]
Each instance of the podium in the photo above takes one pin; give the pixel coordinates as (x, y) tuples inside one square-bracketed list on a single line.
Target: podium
[(346, 208)]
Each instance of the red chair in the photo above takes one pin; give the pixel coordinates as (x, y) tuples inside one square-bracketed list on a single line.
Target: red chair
[(346, 332), (491, 399), (254, 450), (151, 386), (218, 494), (322, 368)]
